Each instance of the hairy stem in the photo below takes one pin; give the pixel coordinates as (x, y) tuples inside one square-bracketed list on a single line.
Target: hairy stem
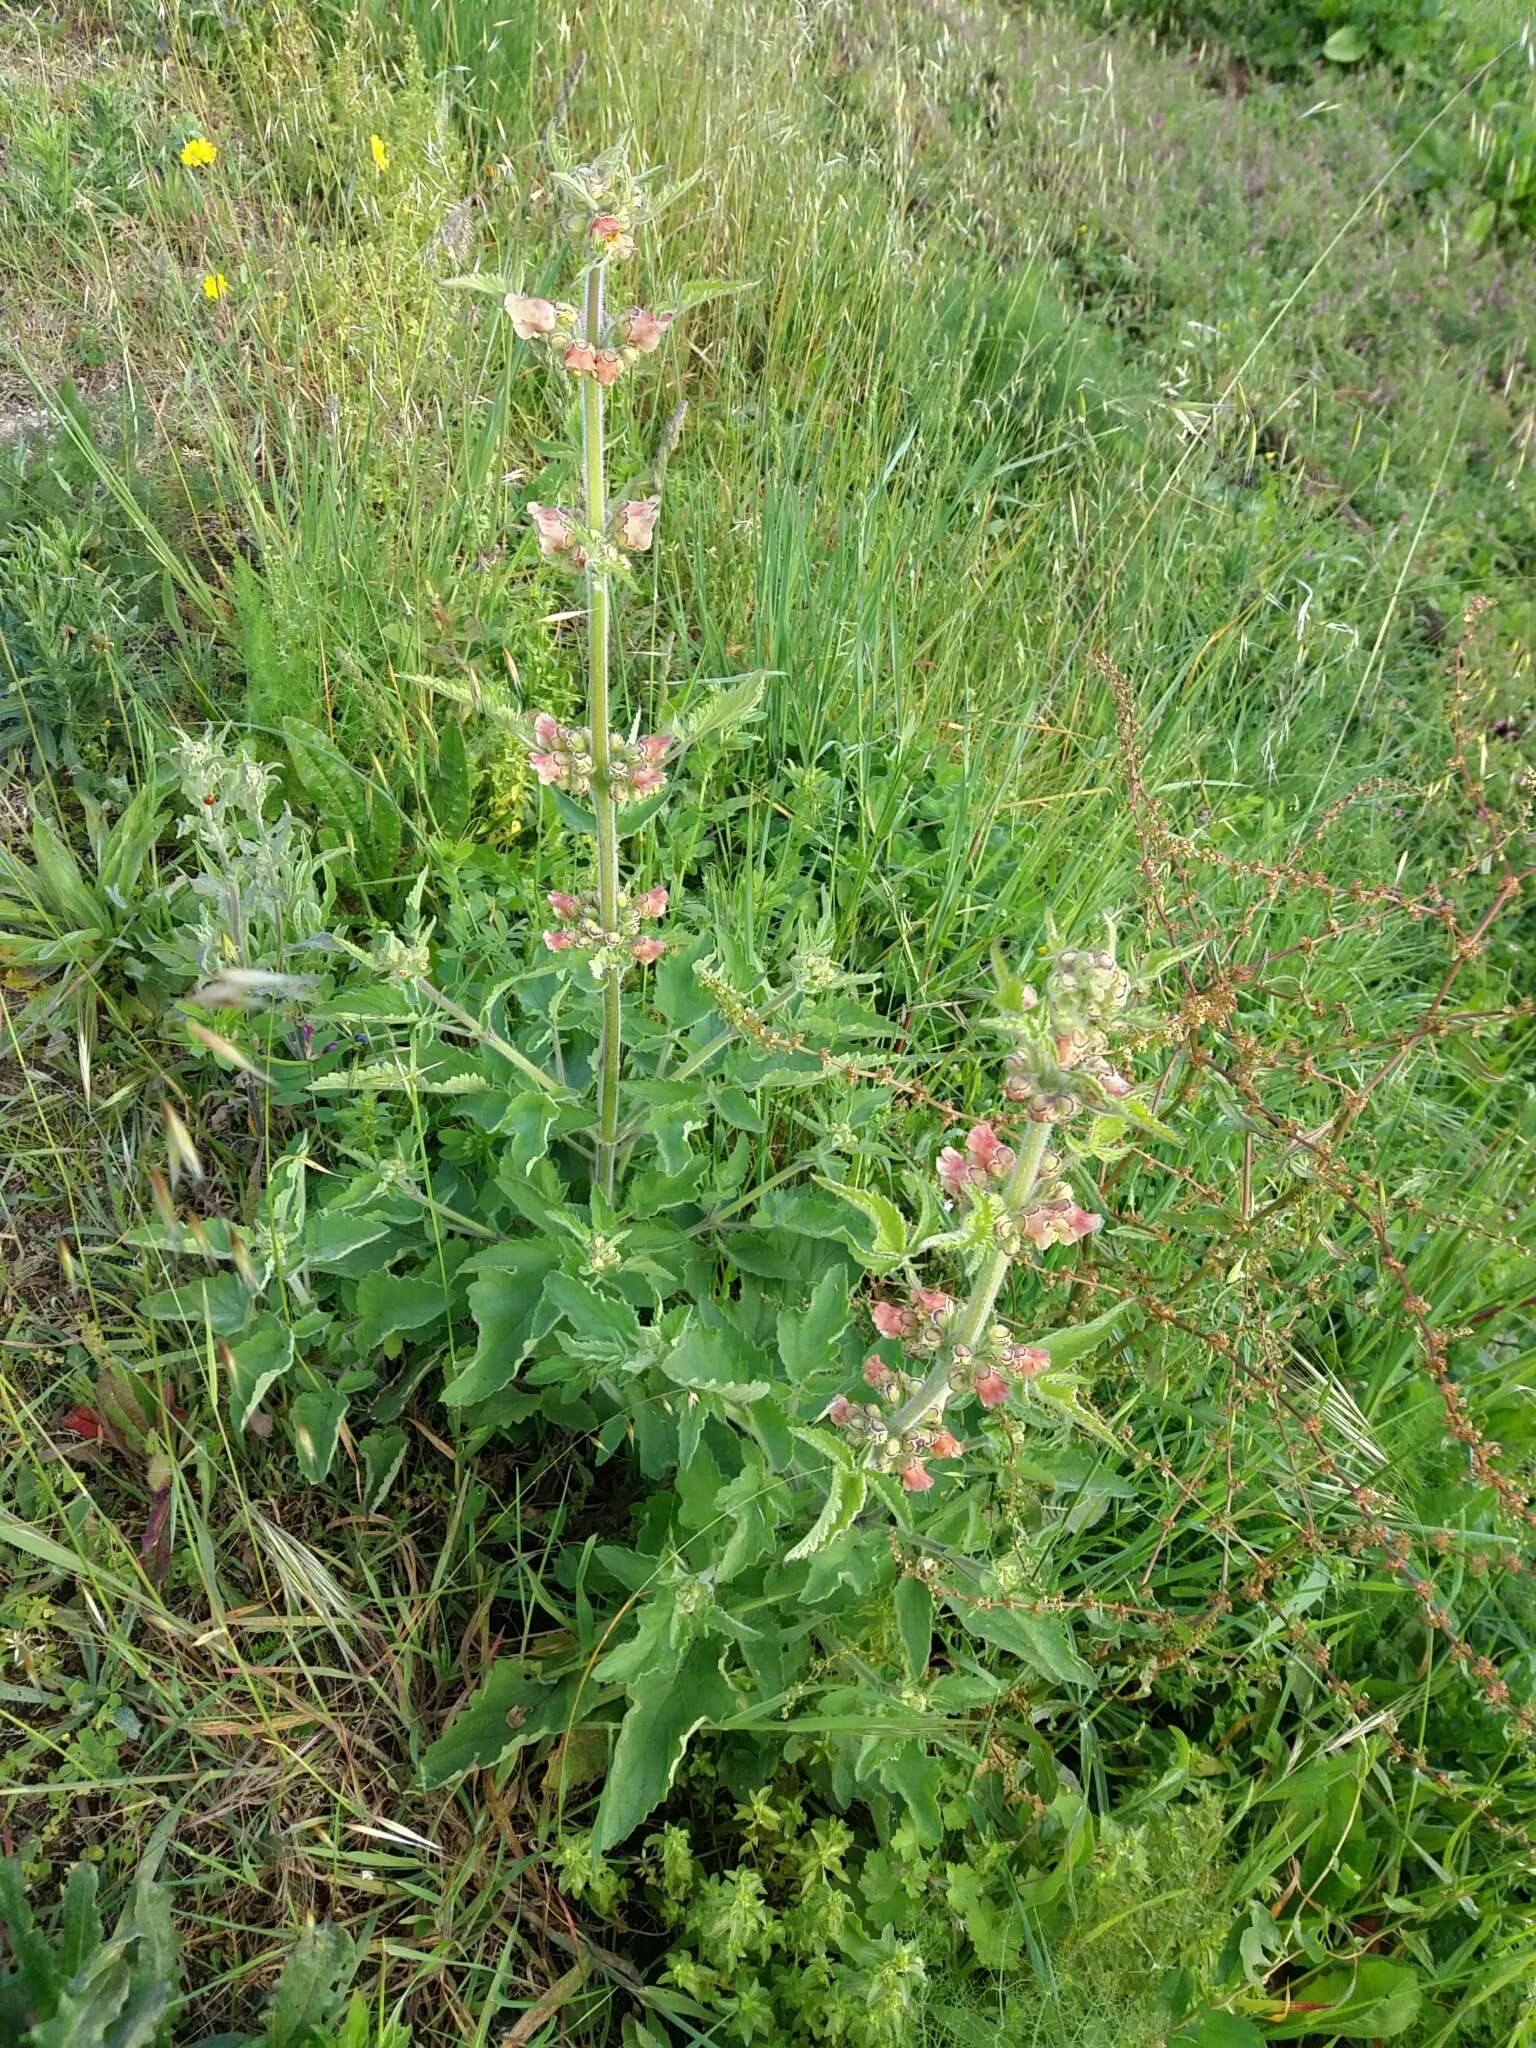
[(985, 1288), (598, 594)]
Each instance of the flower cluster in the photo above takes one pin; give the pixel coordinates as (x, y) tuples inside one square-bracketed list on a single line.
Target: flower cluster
[(1061, 1063), (605, 203), (984, 1163), (552, 323), (562, 538), (920, 1324), (562, 759), (1012, 1198), (580, 930)]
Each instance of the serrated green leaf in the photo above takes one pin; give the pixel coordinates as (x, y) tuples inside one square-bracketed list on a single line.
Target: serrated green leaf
[(893, 1234), (653, 1737), (382, 1452), (1042, 1641), (253, 1365), (515, 1704), (846, 1493), (504, 1299), (314, 1419), (809, 1337)]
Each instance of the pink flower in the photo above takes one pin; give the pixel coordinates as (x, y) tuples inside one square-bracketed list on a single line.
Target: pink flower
[(556, 529), (839, 1409), (1060, 1222), (954, 1172), (564, 906), (549, 768), (644, 780), (891, 1320), (557, 942), (1114, 1084), (532, 319), (654, 746), (549, 732), (876, 1372), (987, 1153), (932, 1301), (581, 359), (605, 228), (651, 903), (644, 331), (991, 1389), (635, 522), (607, 366), (945, 1446), (915, 1476), (647, 950), (1027, 1359)]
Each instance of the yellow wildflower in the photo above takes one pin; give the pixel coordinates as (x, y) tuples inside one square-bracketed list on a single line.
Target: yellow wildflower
[(215, 284), (380, 153), (197, 152)]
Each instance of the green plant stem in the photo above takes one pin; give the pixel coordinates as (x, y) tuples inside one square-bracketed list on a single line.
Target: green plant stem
[(985, 1289), (611, 1037)]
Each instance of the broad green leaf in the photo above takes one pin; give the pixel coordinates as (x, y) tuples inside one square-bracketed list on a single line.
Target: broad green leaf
[(312, 1987), (1218, 2030), (809, 1337), (1345, 46), (516, 1703), (715, 1362), (653, 1737), (914, 1622), (382, 1452), (391, 1304), (724, 709), (504, 1298), (252, 1365), (1041, 1640), (847, 1487), (893, 1235), (1076, 1340), (315, 1418), (1374, 2000)]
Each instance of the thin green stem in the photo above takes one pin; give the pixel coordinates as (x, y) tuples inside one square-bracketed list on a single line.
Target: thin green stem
[(603, 810), (986, 1287)]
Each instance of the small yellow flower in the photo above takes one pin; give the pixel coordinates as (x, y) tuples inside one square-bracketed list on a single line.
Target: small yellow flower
[(215, 284), (197, 152), (380, 153)]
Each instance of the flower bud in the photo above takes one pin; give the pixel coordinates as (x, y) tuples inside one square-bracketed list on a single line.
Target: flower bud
[(635, 522), (532, 319), (839, 1409)]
